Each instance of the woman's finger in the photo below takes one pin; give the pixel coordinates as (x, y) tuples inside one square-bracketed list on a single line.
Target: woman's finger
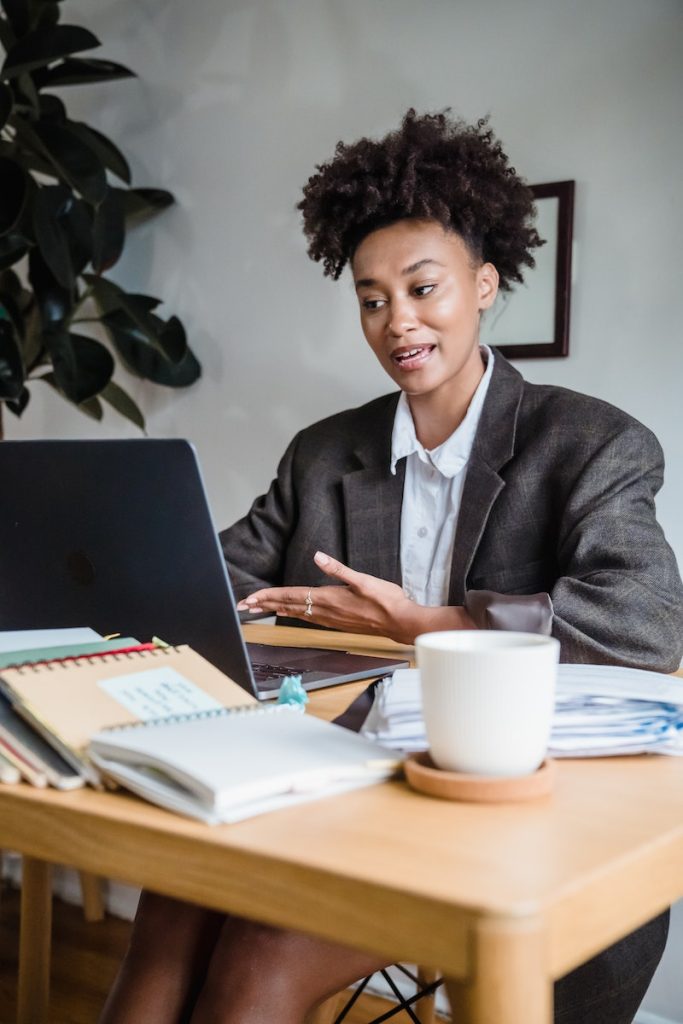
[(274, 595), (331, 567)]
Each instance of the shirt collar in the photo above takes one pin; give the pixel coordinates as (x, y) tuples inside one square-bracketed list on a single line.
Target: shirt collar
[(451, 456)]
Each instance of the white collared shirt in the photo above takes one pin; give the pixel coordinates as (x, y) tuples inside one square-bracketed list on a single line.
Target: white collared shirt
[(431, 496)]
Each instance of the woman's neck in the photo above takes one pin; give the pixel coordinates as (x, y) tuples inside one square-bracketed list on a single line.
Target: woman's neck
[(439, 413)]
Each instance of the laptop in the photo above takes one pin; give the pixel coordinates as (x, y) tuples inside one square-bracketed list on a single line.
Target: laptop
[(117, 535)]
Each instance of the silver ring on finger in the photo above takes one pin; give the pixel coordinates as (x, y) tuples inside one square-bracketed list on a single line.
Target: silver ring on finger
[(309, 603)]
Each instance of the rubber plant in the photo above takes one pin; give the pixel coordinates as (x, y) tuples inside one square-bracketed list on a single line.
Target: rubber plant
[(66, 200)]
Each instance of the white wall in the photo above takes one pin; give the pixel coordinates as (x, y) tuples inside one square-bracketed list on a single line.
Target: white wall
[(237, 100)]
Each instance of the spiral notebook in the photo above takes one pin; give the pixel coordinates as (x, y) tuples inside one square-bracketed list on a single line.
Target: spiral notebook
[(67, 702), (233, 763)]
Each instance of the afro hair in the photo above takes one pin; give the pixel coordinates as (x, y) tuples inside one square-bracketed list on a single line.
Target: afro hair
[(435, 167)]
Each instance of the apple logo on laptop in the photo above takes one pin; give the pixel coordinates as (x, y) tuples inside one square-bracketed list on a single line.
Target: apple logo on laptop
[(80, 568)]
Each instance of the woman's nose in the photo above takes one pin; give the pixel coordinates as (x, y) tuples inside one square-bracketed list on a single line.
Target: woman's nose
[(401, 318)]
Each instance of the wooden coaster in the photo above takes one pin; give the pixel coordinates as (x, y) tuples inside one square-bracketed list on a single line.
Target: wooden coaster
[(425, 777)]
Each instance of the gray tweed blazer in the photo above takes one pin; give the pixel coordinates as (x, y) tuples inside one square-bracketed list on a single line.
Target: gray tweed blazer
[(559, 497)]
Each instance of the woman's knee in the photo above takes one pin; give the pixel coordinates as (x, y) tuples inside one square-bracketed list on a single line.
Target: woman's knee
[(283, 967), (164, 926)]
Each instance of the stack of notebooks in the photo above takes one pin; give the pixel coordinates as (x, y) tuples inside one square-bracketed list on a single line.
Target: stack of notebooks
[(24, 753), (600, 710), (167, 725)]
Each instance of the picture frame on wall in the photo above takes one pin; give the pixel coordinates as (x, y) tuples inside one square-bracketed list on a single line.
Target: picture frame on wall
[(532, 321)]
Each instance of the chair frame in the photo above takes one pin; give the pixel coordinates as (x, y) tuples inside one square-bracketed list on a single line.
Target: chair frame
[(419, 1007)]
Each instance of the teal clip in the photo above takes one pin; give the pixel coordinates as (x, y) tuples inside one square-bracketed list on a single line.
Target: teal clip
[(292, 692)]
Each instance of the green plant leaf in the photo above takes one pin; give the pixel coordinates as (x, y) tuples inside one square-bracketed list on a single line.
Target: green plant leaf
[(145, 202), (6, 103), (92, 407), (103, 148), (13, 248), (25, 92), (50, 233), (173, 340), (145, 361), (33, 345), (7, 37), (109, 232), (147, 302), (27, 149), (14, 187), (18, 15), (11, 363), (52, 108), (18, 405), (10, 285), (62, 224), (48, 14), (111, 298), (123, 403), (36, 49), (82, 366), (76, 163), (55, 303), (78, 222), (81, 71), (13, 301)]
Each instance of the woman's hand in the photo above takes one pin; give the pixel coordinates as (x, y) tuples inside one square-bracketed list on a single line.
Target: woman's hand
[(364, 604)]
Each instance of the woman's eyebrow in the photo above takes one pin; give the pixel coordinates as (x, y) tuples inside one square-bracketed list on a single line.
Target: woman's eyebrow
[(370, 282), (417, 266)]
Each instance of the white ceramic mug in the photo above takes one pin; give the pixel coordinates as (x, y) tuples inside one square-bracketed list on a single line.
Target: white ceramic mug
[(488, 698)]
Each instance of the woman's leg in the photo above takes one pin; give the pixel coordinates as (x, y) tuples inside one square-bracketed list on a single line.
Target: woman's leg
[(165, 964), (261, 975), (610, 987)]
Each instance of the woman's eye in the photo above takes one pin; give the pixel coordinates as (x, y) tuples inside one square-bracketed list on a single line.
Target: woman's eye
[(424, 289), (372, 304)]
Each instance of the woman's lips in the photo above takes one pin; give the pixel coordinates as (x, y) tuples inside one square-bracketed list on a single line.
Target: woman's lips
[(411, 357)]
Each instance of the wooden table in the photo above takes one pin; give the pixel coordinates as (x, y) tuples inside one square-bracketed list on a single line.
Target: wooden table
[(502, 899)]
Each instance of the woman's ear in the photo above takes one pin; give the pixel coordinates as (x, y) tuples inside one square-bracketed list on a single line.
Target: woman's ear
[(487, 285)]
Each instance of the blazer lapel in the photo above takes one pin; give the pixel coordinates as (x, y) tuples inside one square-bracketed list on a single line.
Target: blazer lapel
[(372, 505), (494, 446)]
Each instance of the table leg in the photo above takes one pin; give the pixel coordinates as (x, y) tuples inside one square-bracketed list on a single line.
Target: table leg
[(91, 894), (510, 981), (35, 936)]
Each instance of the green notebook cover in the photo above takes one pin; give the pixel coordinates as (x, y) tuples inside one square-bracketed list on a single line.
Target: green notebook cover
[(36, 654)]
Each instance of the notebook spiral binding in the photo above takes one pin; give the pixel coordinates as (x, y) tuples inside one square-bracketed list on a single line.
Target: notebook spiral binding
[(76, 661), (191, 716), (195, 716)]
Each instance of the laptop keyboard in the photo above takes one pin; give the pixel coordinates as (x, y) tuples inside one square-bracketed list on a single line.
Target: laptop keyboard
[(263, 673)]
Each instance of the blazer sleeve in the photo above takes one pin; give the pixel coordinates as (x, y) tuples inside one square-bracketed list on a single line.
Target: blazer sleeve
[(618, 597), (255, 547)]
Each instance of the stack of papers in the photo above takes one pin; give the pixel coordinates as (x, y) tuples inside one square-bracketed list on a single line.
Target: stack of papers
[(600, 710)]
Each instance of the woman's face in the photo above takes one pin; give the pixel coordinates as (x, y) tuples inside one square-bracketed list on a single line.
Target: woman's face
[(421, 295)]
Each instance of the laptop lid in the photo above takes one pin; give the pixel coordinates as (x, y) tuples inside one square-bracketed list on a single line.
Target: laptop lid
[(116, 535)]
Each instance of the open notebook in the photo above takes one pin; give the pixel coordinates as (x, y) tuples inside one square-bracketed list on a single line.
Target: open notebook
[(232, 764)]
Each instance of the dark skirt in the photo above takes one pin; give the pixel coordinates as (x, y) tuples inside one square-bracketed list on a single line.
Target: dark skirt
[(609, 988)]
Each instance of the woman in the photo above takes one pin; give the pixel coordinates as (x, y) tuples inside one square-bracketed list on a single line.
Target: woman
[(472, 498), (473, 479)]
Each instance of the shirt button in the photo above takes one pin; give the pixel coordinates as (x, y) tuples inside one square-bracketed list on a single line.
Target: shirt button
[(422, 532)]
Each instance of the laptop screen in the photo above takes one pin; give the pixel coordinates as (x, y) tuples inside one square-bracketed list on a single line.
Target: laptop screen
[(116, 535)]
